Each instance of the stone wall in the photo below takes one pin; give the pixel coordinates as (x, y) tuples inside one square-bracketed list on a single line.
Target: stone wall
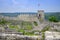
[(4, 36)]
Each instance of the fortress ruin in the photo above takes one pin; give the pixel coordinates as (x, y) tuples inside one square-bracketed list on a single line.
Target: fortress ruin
[(28, 17)]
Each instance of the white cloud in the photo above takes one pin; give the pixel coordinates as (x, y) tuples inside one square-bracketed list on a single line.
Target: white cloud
[(15, 2)]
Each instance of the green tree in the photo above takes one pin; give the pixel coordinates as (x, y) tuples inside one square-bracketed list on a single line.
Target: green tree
[(53, 19)]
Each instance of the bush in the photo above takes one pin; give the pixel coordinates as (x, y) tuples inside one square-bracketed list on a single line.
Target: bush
[(2, 21), (53, 19), (35, 23), (43, 36), (45, 29)]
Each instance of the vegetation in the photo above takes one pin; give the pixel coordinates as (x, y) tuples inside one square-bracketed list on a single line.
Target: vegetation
[(2, 21), (49, 14), (45, 29), (53, 19), (29, 33), (13, 27), (21, 30), (36, 31), (43, 32), (27, 25), (26, 33), (43, 36), (35, 23)]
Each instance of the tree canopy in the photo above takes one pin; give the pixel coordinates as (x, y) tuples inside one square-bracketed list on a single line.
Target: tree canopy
[(53, 19)]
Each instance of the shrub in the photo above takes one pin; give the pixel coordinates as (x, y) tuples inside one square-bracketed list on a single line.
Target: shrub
[(35, 23), (53, 19)]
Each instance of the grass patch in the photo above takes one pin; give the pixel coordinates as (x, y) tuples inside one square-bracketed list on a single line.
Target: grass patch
[(13, 27), (21, 30), (27, 25), (26, 33), (30, 34)]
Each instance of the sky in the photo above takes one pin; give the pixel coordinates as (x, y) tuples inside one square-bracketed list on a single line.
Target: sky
[(29, 5)]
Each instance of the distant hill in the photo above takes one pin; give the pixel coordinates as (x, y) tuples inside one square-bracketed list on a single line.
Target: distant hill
[(48, 14), (16, 14)]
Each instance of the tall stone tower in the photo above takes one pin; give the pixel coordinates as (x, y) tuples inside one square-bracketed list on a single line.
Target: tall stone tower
[(41, 15)]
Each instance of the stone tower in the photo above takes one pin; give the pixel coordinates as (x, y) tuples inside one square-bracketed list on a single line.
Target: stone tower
[(41, 15)]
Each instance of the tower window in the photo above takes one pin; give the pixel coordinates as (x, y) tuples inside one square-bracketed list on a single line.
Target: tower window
[(39, 15)]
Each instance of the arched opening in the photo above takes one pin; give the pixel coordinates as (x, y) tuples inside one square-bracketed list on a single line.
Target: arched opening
[(39, 16)]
